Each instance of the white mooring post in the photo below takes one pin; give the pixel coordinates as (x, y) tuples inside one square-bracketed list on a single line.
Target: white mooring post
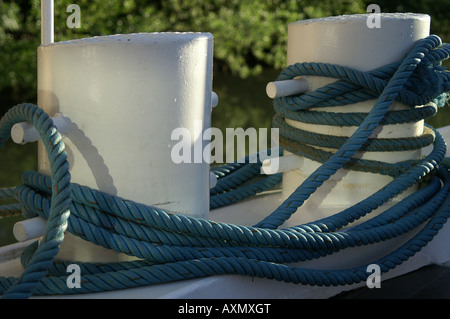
[(348, 41), (123, 96), (47, 21)]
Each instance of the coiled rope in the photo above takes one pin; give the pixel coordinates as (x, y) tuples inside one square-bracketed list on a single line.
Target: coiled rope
[(174, 247)]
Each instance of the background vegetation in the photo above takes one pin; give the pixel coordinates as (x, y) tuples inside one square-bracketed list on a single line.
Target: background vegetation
[(250, 39)]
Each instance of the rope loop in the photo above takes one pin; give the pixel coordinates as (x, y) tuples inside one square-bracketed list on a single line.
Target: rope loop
[(353, 82), (60, 199)]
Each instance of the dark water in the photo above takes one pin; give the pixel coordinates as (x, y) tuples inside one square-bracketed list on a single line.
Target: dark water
[(242, 103)]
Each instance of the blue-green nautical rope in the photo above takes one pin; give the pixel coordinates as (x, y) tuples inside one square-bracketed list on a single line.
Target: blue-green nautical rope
[(238, 181), (60, 199), (176, 247), (390, 92), (8, 210)]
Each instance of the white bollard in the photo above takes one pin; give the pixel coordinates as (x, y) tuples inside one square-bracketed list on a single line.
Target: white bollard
[(214, 99), (348, 41), (47, 21), (286, 88), (29, 229), (23, 133), (282, 164), (124, 95), (212, 180)]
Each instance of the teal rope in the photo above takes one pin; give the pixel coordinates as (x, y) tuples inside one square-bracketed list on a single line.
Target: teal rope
[(238, 181), (9, 210), (390, 93), (176, 247), (60, 200)]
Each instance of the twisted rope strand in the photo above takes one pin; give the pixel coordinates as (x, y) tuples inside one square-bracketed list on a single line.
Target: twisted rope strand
[(60, 201)]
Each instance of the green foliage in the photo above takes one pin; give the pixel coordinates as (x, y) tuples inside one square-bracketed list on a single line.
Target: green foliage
[(249, 35), (14, 160), (17, 47)]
